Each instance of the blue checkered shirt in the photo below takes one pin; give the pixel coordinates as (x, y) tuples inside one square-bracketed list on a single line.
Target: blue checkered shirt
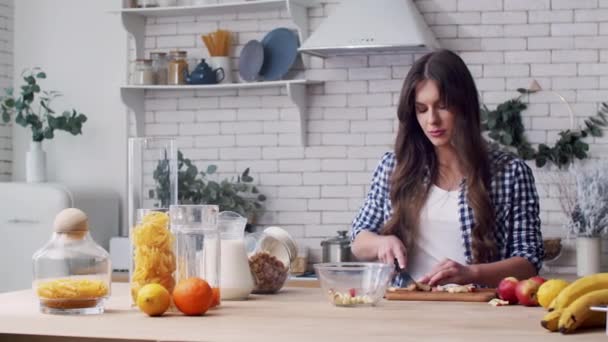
[(513, 195)]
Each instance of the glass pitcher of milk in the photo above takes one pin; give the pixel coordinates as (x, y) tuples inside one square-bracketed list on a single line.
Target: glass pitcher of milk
[(235, 275), (197, 244)]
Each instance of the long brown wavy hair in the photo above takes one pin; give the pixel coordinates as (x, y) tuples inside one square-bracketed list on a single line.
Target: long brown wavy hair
[(416, 159)]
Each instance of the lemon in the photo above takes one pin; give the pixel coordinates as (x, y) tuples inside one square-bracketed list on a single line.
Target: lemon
[(549, 290), (153, 299)]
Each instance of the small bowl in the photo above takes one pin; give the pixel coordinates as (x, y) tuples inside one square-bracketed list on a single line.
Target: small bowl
[(354, 283)]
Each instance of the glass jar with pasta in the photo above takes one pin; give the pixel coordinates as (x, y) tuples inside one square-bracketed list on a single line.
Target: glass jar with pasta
[(153, 251), (72, 273)]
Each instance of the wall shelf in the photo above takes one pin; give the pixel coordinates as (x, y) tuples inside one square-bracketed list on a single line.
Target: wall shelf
[(134, 22), (213, 9), (134, 97), (134, 19)]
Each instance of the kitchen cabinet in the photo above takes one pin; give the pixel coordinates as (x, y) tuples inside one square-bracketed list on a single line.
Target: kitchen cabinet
[(134, 22), (295, 314)]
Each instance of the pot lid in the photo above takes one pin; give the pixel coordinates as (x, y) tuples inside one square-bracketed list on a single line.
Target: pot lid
[(341, 239)]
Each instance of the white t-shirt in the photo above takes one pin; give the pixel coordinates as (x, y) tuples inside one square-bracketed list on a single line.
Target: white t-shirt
[(439, 235)]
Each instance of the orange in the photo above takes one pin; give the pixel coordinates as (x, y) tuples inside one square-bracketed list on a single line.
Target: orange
[(193, 296), (216, 297)]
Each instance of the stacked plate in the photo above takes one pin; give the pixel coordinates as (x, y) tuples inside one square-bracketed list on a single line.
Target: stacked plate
[(270, 59)]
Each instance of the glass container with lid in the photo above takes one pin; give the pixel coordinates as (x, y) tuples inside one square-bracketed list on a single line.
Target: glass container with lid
[(177, 68), (143, 73), (271, 254), (72, 273), (159, 66)]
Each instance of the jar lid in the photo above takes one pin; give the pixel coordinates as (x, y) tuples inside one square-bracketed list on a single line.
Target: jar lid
[(71, 220), (178, 53), (159, 54), (284, 236), (341, 239)]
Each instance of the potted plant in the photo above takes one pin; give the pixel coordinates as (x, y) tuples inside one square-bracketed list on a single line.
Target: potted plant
[(194, 187), (589, 216), (32, 108)]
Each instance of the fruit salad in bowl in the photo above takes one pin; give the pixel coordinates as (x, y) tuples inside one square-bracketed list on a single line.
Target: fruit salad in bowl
[(354, 284)]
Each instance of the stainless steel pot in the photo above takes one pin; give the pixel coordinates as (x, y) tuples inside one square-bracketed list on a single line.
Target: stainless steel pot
[(337, 248)]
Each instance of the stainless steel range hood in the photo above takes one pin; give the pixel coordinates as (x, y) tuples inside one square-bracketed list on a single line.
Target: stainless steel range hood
[(371, 26)]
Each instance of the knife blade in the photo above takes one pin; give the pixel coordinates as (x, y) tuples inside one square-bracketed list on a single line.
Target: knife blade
[(404, 275)]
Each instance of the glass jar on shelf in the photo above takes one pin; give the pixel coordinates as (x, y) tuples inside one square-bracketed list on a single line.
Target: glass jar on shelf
[(177, 67), (271, 253), (159, 67), (147, 3), (143, 74), (197, 244), (72, 273)]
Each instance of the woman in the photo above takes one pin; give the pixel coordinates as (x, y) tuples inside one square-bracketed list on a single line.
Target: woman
[(443, 205)]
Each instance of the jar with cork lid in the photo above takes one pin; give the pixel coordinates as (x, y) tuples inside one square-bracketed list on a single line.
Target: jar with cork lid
[(72, 273)]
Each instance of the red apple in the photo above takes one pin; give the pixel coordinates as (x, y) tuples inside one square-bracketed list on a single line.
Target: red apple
[(506, 289), (526, 292), (538, 279)]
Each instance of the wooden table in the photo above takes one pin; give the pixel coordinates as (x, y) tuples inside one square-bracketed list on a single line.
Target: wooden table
[(296, 314)]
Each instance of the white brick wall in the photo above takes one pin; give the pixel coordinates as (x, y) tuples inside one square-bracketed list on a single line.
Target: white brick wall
[(6, 80), (315, 190)]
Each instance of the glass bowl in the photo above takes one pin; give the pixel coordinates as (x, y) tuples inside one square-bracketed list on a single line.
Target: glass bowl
[(354, 283)]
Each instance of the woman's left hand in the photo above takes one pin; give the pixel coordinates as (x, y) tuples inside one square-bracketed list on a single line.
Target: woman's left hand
[(450, 272)]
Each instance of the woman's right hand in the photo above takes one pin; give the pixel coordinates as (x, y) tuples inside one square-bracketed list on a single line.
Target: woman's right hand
[(390, 248)]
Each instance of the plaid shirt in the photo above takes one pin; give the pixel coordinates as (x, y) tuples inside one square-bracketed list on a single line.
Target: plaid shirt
[(513, 195)]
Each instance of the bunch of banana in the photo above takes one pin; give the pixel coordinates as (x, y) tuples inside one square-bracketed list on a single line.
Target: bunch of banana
[(571, 308)]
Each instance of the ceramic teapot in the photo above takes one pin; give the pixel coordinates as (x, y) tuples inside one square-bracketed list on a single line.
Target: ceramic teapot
[(204, 74)]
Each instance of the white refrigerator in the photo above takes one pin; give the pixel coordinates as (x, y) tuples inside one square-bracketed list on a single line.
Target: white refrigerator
[(27, 212)]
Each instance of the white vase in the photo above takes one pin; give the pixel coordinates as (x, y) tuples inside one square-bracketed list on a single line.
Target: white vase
[(35, 163), (588, 255)]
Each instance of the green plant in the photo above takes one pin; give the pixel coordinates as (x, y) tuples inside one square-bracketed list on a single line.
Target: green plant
[(194, 187), (33, 108), (506, 128)]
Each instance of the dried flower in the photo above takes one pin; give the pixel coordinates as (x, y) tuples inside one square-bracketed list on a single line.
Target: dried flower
[(589, 217)]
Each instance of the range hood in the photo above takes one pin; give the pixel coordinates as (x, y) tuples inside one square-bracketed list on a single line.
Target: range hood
[(371, 26)]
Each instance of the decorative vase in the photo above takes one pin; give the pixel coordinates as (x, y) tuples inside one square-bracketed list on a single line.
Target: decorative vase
[(35, 163), (588, 255)]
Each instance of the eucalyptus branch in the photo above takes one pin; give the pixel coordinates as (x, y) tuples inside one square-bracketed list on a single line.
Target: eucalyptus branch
[(505, 128), (32, 109)]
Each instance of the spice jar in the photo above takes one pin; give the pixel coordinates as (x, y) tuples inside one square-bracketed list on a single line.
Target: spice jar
[(72, 273), (177, 68), (143, 73), (159, 67), (271, 253), (300, 264), (147, 3)]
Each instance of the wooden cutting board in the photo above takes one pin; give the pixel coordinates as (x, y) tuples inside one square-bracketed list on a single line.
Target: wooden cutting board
[(481, 295)]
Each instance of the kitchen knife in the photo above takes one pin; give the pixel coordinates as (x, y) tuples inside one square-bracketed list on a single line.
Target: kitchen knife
[(405, 275)]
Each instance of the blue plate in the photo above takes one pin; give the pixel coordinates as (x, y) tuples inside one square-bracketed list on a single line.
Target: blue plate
[(280, 52), (251, 61)]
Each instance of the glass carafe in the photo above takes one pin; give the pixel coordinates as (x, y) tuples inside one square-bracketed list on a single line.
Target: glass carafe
[(237, 282), (71, 272), (197, 244)]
